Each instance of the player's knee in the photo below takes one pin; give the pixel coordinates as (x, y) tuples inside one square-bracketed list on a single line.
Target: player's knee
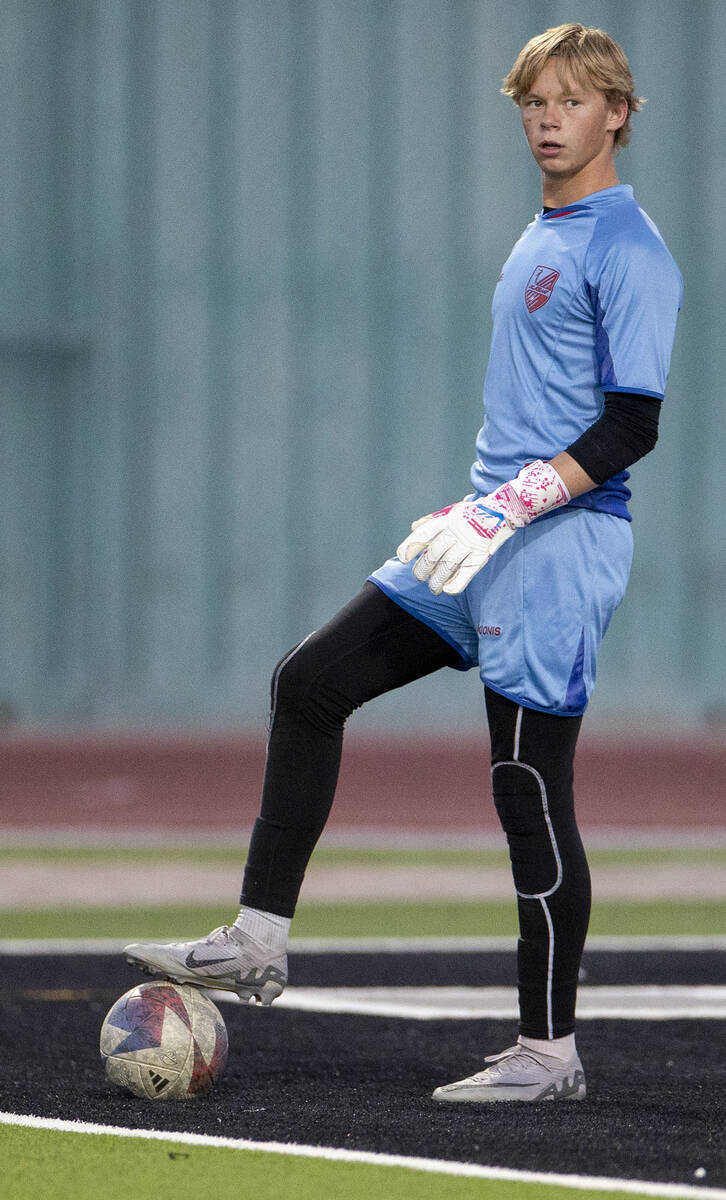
[(520, 799), (290, 679), (305, 683)]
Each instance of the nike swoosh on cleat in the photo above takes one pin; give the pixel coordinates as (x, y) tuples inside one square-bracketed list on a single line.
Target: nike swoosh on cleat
[(193, 962)]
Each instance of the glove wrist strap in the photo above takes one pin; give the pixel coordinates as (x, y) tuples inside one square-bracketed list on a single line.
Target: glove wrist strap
[(537, 489)]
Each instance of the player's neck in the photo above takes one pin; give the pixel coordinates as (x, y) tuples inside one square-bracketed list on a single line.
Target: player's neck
[(558, 193)]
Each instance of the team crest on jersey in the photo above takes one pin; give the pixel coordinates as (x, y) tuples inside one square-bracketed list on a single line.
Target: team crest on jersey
[(540, 287)]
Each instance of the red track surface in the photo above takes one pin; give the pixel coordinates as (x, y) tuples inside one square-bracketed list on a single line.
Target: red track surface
[(213, 782)]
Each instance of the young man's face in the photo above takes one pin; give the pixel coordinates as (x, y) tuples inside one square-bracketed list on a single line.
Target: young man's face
[(570, 129)]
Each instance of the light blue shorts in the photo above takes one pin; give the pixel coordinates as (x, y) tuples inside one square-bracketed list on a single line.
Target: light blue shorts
[(533, 618)]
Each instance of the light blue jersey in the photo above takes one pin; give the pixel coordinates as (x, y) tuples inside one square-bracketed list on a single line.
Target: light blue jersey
[(586, 304)]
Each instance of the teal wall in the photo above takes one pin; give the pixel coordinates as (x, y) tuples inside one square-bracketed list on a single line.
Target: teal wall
[(248, 249)]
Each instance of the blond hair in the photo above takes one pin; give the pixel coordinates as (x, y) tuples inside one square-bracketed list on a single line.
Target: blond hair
[(589, 57)]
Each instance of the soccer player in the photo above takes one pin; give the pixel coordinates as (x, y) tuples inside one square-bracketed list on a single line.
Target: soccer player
[(520, 578)]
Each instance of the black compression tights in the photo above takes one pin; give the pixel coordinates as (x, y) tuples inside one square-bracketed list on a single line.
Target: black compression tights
[(532, 756), (373, 646), (369, 648)]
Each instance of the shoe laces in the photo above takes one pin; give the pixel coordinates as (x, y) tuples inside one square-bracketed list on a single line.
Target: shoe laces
[(509, 1061), (229, 935), (222, 933), (236, 940)]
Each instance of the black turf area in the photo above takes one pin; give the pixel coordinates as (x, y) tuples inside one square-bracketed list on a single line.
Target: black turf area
[(656, 1108)]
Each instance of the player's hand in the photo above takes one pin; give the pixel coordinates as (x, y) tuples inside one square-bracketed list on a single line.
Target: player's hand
[(456, 542)]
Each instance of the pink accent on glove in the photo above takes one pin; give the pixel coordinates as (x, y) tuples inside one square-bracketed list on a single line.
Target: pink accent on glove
[(537, 489), (473, 513)]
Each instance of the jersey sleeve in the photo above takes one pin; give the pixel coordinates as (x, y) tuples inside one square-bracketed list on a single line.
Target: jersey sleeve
[(635, 289)]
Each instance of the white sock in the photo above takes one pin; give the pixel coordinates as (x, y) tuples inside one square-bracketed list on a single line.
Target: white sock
[(562, 1048), (266, 928)]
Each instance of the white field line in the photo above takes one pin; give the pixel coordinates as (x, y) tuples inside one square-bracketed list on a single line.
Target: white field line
[(625, 1003), (332, 1154), (621, 943)]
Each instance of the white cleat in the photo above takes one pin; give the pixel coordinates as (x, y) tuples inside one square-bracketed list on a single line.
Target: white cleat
[(519, 1074), (226, 959)]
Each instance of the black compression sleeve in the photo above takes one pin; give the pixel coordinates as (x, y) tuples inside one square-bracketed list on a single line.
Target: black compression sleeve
[(626, 431)]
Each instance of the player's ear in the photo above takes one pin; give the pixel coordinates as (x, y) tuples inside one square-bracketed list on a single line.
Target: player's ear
[(617, 114)]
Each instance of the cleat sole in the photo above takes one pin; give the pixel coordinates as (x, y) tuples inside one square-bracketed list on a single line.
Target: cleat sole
[(262, 996)]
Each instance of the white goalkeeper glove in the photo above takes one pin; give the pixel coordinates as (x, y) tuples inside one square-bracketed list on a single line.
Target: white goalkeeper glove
[(459, 540)]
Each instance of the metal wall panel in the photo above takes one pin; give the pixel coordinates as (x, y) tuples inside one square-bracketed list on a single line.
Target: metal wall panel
[(248, 253)]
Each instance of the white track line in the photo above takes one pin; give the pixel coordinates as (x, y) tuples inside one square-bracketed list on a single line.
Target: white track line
[(331, 1154), (626, 1003), (380, 945)]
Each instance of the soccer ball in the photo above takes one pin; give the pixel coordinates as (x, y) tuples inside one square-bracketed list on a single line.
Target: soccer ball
[(164, 1041)]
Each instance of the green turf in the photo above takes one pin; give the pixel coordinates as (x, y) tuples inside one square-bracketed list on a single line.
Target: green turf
[(359, 920), (344, 857), (57, 1166)]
